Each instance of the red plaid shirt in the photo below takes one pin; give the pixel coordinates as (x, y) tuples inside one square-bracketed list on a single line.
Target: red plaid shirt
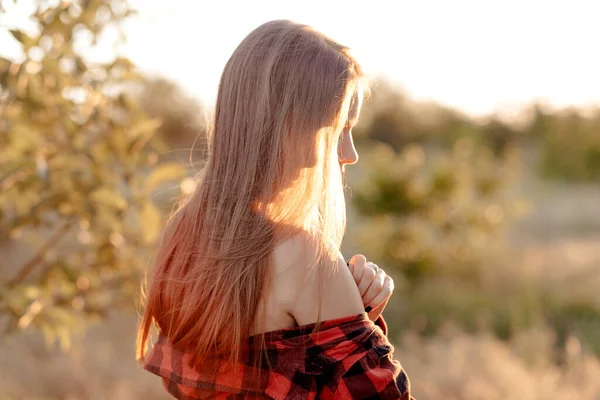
[(348, 358)]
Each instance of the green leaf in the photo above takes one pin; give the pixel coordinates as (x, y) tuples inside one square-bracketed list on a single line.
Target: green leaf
[(126, 102), (80, 65), (145, 126), (22, 38), (151, 221), (121, 62), (165, 172), (108, 197)]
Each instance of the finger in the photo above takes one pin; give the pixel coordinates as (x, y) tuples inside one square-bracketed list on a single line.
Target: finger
[(365, 281), (380, 307), (357, 263), (375, 288), (374, 313), (368, 265), (384, 294), (372, 265), (358, 258)]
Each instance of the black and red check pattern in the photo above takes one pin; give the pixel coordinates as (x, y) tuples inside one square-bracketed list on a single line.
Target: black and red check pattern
[(348, 358)]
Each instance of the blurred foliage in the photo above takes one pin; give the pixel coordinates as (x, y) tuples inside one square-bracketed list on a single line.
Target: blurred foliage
[(392, 118), (77, 168), (567, 141), (436, 216), (436, 193), (437, 219), (454, 365), (181, 115), (434, 212)]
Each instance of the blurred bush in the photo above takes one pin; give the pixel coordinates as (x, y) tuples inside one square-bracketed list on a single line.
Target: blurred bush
[(436, 217), (569, 142), (183, 119), (434, 197), (391, 117), (454, 365), (78, 165), (435, 211)]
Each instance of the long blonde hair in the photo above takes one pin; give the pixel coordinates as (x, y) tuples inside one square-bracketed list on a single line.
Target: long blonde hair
[(272, 172)]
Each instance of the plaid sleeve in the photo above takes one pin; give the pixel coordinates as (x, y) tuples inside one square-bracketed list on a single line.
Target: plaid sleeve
[(371, 372), (348, 358), (374, 376), (380, 322)]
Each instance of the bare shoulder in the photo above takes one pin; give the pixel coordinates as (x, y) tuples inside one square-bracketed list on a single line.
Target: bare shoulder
[(297, 285)]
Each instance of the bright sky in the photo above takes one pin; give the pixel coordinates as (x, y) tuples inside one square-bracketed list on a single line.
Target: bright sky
[(479, 56)]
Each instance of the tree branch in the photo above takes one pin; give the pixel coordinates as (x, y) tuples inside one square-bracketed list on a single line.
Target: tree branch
[(26, 269)]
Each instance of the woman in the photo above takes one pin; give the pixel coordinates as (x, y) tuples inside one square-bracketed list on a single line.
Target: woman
[(250, 294)]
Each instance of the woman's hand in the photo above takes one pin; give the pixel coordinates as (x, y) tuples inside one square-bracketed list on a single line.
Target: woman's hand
[(374, 285)]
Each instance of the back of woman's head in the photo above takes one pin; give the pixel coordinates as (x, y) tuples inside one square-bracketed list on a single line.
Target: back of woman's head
[(272, 172)]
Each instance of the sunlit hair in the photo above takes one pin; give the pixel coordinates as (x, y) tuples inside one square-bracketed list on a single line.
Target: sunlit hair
[(272, 173)]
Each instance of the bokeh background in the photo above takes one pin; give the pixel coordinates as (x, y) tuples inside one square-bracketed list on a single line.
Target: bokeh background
[(477, 187)]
